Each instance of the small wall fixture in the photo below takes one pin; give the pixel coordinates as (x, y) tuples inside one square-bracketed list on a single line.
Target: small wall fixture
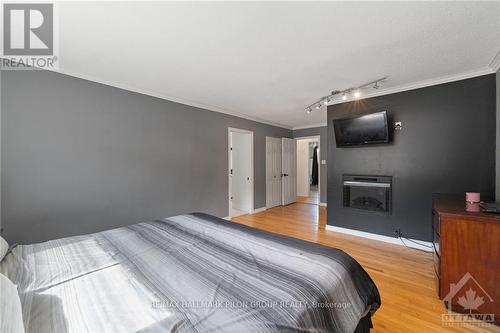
[(355, 92)]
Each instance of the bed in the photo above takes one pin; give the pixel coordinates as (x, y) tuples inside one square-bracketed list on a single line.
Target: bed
[(189, 273)]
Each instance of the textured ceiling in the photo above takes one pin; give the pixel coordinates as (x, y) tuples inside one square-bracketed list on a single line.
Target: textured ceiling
[(268, 61)]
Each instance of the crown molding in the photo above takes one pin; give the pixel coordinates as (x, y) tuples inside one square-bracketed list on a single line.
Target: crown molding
[(495, 62), (421, 84), (169, 98), (310, 126), (493, 67)]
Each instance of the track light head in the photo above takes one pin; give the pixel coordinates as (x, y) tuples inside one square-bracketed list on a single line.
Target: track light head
[(354, 92), (309, 110)]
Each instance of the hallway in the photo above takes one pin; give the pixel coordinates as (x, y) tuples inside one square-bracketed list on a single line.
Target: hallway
[(313, 197)]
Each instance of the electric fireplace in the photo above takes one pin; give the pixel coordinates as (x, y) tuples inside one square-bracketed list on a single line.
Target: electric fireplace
[(368, 193)]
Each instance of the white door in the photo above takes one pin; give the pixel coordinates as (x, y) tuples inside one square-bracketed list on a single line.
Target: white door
[(273, 172), (289, 170), (241, 172)]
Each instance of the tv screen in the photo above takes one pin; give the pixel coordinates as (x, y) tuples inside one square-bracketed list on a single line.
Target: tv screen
[(368, 129)]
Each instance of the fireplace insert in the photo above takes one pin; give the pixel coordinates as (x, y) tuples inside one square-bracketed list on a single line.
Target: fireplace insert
[(368, 193)]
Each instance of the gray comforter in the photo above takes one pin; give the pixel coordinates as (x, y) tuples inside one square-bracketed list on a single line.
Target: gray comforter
[(189, 273)]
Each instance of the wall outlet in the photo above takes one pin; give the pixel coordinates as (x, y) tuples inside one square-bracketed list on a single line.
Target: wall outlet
[(323, 162), (396, 231)]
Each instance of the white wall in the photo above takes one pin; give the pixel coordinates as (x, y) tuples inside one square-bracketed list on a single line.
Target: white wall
[(1, 229), (302, 168)]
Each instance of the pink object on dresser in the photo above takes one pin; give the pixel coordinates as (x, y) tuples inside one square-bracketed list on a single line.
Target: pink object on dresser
[(472, 207), (472, 197)]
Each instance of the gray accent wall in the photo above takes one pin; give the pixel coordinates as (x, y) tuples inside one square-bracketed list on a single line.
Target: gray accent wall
[(80, 157), (498, 139), (447, 145), (323, 152)]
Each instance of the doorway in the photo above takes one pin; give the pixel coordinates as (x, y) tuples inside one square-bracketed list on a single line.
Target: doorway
[(241, 173), (308, 170)]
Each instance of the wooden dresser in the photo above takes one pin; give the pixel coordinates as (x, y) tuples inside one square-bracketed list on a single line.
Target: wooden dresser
[(466, 242)]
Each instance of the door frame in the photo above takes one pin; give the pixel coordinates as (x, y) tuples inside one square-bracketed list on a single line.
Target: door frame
[(319, 163), (252, 152), (282, 174)]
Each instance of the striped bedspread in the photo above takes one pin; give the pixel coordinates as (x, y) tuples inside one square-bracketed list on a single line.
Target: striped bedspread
[(189, 273)]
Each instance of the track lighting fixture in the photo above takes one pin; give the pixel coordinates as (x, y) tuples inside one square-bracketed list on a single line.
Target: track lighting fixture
[(356, 93)]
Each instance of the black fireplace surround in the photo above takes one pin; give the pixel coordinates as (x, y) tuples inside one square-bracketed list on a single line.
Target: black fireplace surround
[(368, 193)]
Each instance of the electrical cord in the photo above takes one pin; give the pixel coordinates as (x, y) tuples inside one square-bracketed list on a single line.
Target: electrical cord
[(401, 237), (424, 245), (414, 248)]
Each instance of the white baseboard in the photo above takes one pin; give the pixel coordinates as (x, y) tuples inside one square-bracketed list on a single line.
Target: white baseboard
[(323, 204), (255, 211), (258, 210), (426, 246)]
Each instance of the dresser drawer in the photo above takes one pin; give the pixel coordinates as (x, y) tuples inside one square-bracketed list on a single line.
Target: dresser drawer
[(466, 242)]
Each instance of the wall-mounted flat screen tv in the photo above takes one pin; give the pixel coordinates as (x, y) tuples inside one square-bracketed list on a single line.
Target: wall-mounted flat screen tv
[(368, 129)]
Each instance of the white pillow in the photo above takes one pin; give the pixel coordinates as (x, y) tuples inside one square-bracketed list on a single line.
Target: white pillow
[(4, 247), (11, 314)]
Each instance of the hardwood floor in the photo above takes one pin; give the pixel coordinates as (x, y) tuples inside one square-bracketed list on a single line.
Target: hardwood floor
[(404, 277), (313, 198)]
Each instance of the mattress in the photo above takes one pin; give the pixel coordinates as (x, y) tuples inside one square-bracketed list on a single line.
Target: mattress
[(189, 273)]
